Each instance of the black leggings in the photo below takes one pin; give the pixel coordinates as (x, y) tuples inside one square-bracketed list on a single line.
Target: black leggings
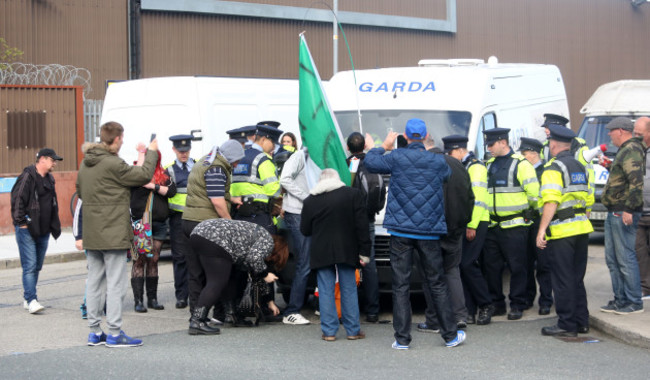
[(217, 264)]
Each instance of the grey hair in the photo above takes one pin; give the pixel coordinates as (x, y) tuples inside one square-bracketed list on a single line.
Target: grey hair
[(329, 174)]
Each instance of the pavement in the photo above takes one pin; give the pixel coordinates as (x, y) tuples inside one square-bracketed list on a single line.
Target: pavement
[(632, 329)]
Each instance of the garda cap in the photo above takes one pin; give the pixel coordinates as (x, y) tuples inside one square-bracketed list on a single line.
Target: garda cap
[(452, 142), (495, 134), (182, 143), (241, 134), (269, 123), (271, 133), (527, 143), (560, 133), (553, 119)]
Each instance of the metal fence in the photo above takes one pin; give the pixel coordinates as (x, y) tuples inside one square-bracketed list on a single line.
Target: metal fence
[(92, 115)]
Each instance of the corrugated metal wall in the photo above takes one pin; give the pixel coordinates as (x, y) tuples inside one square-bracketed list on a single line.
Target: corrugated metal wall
[(25, 108), (84, 33), (592, 41)]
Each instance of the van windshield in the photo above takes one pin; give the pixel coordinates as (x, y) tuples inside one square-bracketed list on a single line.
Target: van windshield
[(593, 131), (379, 122)]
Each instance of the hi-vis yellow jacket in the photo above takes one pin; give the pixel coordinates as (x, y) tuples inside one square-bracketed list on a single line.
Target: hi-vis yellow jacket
[(566, 181), (512, 188)]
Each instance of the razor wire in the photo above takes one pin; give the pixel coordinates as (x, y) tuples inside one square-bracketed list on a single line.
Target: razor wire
[(18, 73)]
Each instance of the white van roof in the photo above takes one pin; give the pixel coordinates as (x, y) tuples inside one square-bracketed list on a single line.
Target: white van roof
[(623, 97), (439, 84)]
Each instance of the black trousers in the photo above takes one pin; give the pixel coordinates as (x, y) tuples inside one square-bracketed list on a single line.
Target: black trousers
[(195, 273), (451, 249), (475, 286), (262, 219), (538, 267), (506, 245), (217, 265), (180, 246), (568, 259)]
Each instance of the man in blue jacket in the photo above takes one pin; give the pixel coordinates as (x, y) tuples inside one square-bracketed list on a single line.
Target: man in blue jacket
[(415, 218)]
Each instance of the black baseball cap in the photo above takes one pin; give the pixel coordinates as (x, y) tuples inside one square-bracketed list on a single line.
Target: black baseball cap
[(47, 152)]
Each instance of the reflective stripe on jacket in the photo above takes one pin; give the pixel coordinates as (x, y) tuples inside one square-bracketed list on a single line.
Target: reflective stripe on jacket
[(478, 176), (512, 188), (255, 176), (566, 181)]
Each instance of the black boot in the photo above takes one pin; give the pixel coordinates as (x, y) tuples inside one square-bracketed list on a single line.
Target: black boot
[(152, 291), (228, 312), (137, 283), (199, 325)]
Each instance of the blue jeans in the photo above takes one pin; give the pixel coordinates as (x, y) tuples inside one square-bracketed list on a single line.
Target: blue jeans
[(370, 279), (329, 318), (431, 261), (32, 254), (301, 253), (620, 257)]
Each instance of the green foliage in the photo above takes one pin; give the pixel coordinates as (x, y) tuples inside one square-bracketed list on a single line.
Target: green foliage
[(7, 53)]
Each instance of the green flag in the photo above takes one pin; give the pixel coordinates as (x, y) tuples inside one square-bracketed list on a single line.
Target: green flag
[(318, 127)]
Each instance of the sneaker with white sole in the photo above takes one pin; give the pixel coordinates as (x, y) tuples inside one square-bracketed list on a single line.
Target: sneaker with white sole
[(460, 338), (629, 309), (122, 340), (398, 346), (25, 305), (35, 307), (96, 339), (295, 319), (610, 307)]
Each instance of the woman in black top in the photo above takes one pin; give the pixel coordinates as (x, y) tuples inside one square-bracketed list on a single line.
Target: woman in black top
[(145, 268)]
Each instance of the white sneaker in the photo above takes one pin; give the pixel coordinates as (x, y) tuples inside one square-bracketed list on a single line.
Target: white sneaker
[(35, 307), (25, 305), (295, 319)]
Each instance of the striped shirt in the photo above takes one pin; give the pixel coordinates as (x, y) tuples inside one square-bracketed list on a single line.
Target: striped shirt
[(215, 181)]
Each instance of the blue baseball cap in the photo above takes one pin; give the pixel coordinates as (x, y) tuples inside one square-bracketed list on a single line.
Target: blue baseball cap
[(416, 129)]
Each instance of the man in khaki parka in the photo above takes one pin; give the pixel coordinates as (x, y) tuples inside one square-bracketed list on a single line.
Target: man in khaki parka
[(104, 183)]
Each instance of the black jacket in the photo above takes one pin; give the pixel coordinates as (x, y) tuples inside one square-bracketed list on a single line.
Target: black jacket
[(459, 198), (25, 206), (160, 212), (337, 222)]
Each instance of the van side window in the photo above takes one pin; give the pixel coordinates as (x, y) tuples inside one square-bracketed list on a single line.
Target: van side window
[(488, 121)]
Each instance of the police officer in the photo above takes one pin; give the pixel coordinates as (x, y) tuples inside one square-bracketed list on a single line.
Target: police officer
[(538, 266), (578, 145), (563, 232), (513, 191), (255, 180), (245, 135), (272, 124), (179, 170), (474, 284)]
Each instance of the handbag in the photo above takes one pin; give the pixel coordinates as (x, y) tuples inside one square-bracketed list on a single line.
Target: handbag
[(142, 241), (250, 304)]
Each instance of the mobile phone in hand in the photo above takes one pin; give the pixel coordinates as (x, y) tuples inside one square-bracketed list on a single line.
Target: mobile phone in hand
[(153, 137)]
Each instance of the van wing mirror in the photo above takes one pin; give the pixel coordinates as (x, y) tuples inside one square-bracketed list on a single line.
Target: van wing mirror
[(196, 135)]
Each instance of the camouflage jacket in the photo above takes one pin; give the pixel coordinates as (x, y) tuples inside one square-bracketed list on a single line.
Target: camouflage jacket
[(624, 188)]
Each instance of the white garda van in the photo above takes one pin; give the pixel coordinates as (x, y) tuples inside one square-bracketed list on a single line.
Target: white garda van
[(456, 96), (621, 98), (205, 107)]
